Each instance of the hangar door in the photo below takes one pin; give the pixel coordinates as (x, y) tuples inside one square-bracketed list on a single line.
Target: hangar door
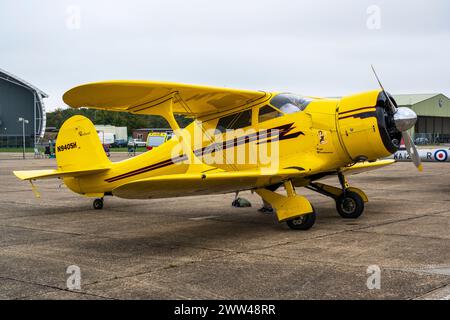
[(439, 126), (433, 125)]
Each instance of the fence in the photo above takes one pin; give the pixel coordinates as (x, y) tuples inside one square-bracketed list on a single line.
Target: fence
[(13, 142)]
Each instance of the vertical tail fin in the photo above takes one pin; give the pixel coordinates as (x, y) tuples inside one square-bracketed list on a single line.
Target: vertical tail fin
[(78, 146)]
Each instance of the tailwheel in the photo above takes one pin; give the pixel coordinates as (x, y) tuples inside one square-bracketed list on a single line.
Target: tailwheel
[(98, 204), (350, 205), (304, 222)]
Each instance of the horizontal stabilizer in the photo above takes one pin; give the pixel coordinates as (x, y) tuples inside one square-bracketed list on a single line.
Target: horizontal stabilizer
[(48, 174)]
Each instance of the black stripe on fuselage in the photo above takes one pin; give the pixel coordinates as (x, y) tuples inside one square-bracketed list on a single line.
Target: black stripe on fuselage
[(152, 167), (361, 115), (273, 134), (354, 110)]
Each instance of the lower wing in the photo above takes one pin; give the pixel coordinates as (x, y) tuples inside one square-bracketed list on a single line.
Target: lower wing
[(366, 166), (199, 184), (192, 184)]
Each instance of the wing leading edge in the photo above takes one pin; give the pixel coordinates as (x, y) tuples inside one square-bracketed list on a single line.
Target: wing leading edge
[(366, 166)]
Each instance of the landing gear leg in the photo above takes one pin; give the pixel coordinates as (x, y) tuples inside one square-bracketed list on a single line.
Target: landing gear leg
[(304, 222), (98, 204), (293, 209), (349, 200), (267, 208)]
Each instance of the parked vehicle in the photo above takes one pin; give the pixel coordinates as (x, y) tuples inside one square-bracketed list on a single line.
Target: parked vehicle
[(120, 143), (137, 143), (422, 141), (106, 139), (155, 139)]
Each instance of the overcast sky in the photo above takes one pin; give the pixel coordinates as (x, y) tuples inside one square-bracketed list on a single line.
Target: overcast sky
[(321, 48)]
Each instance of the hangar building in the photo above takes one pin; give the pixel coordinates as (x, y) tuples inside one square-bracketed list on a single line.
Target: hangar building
[(20, 99), (433, 111), (120, 133)]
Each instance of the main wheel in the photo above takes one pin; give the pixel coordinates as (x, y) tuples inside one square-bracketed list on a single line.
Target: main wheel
[(98, 204), (304, 222), (350, 205)]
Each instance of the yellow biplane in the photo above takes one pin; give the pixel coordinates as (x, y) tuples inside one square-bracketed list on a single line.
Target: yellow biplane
[(305, 138)]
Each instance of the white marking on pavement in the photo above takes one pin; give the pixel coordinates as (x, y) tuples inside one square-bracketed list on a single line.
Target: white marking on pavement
[(203, 218)]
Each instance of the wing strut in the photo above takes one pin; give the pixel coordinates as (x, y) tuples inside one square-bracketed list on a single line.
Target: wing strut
[(200, 125)]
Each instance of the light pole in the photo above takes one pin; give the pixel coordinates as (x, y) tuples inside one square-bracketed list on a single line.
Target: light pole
[(24, 121)]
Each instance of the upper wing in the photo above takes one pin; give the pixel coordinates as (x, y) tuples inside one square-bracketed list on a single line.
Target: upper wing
[(198, 184), (140, 96), (48, 174), (366, 166)]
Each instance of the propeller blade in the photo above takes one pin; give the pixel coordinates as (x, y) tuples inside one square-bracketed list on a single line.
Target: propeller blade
[(391, 104), (378, 79), (404, 120), (412, 150)]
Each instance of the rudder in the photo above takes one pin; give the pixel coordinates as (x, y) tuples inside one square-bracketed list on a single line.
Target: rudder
[(78, 146)]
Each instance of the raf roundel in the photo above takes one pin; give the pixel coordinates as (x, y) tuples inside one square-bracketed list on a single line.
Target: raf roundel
[(441, 155)]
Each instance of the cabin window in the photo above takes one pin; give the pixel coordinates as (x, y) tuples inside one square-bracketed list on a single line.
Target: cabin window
[(290, 103), (235, 121), (268, 113)]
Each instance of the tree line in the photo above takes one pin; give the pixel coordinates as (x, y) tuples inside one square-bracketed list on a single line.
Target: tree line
[(118, 119)]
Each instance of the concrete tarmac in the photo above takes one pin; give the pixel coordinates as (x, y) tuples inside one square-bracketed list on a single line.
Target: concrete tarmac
[(203, 248)]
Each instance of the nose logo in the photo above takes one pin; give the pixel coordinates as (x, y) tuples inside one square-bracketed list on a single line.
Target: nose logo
[(322, 137), (82, 134)]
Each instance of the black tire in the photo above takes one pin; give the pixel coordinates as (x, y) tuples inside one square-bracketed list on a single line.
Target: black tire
[(350, 205), (98, 204), (304, 222)]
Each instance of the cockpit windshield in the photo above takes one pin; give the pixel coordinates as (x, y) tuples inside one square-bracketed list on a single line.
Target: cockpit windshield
[(290, 103)]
